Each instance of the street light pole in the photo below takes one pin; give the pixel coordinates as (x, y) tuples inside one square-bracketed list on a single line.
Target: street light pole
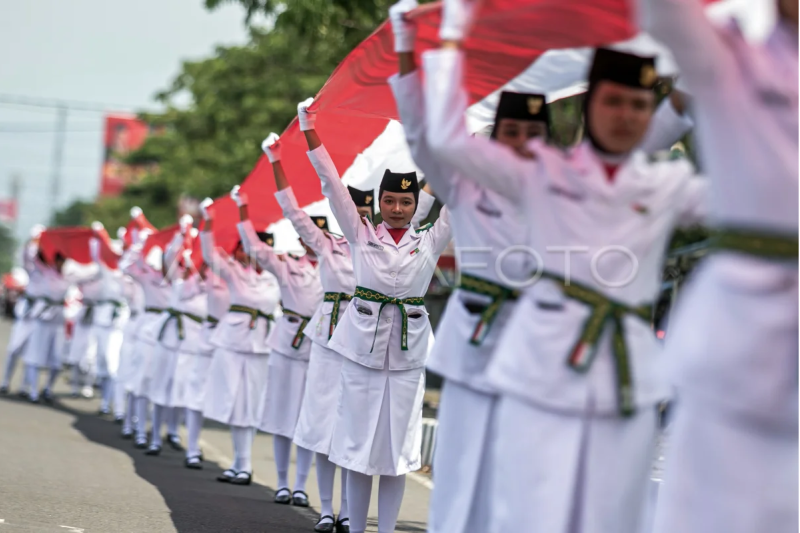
[(58, 154)]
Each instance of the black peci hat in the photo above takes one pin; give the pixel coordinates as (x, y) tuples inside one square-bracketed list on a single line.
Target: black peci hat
[(362, 198), (626, 69), (521, 106), (266, 237), (400, 182)]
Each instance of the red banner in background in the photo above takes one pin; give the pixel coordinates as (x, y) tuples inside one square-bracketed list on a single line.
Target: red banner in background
[(123, 134), (8, 210)]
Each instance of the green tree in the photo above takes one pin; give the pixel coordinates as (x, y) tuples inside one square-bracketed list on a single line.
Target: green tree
[(7, 247)]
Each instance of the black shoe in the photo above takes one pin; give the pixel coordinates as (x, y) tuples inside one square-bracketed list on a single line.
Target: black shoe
[(47, 397), (342, 527), (32, 399), (283, 496), (23, 394), (140, 444), (325, 527), (242, 478), (195, 463), (174, 442), (103, 412), (227, 476), (74, 395), (299, 499), (127, 434), (153, 450), (119, 420), (3, 390)]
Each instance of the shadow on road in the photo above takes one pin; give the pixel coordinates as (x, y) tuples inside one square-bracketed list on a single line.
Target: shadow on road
[(197, 502)]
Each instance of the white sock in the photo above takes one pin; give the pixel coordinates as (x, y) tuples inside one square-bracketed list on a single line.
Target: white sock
[(326, 471), (142, 406), (194, 423), (304, 458), (75, 374), (359, 490), (282, 447), (344, 512), (129, 401), (51, 378), (390, 496), (242, 448), (172, 416), (11, 363), (32, 375), (120, 395), (107, 388), (159, 411)]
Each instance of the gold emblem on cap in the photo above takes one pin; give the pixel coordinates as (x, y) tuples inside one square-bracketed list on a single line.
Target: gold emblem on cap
[(405, 184), (368, 199), (648, 76), (320, 222), (535, 104)]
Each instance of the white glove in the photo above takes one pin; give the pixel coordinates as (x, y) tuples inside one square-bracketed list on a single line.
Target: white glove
[(37, 230), (239, 197), (185, 223), (97, 226), (457, 16), (136, 212), (307, 118), (194, 233), (272, 147), (94, 249), (143, 235), (121, 232), (405, 32), (204, 205), (187, 257)]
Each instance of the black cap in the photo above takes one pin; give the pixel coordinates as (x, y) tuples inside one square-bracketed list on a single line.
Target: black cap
[(320, 222), (521, 106), (266, 237), (362, 198), (626, 69), (400, 182)]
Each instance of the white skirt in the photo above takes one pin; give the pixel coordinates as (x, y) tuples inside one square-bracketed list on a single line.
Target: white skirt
[(181, 379), (462, 463), (46, 345), (283, 396), (20, 333), (141, 354), (109, 343), (235, 387), (80, 344), (727, 472), (194, 393), (318, 412), (161, 375), (565, 473), (378, 428)]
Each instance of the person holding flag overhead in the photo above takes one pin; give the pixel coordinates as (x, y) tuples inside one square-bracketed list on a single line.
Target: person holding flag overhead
[(576, 365), (237, 374), (384, 335), (486, 227), (301, 295), (733, 451), (23, 323)]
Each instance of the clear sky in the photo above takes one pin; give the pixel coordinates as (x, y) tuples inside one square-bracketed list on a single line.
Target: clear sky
[(115, 52)]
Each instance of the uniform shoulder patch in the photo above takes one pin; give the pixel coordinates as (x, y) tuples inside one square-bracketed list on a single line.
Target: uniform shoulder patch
[(426, 227)]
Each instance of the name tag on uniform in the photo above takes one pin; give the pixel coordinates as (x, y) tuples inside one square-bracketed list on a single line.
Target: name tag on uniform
[(337, 252), (773, 98), (375, 245), (558, 191)]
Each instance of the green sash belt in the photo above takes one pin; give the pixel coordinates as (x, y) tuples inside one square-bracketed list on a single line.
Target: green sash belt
[(156, 310), (604, 310), (336, 298), (174, 314), (254, 314), (499, 295), (212, 320), (31, 302), (50, 304), (304, 320), (88, 314), (374, 296), (753, 242)]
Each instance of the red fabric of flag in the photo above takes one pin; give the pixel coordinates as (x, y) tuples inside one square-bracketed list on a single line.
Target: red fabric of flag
[(73, 243)]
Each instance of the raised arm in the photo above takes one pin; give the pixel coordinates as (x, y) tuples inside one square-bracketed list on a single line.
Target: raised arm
[(211, 256), (490, 164), (407, 89), (426, 201), (265, 255), (302, 223), (172, 269), (667, 126), (441, 232), (697, 45)]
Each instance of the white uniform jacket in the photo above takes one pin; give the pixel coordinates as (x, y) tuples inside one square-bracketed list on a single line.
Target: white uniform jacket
[(34, 289), (335, 266), (155, 290), (301, 293), (50, 307), (238, 331), (369, 332), (193, 303), (487, 229), (608, 238), (217, 304)]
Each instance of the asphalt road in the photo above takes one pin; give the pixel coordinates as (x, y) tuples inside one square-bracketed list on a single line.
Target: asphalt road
[(63, 468)]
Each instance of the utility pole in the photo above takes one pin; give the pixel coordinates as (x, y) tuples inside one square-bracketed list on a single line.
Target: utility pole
[(15, 189), (58, 153)]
